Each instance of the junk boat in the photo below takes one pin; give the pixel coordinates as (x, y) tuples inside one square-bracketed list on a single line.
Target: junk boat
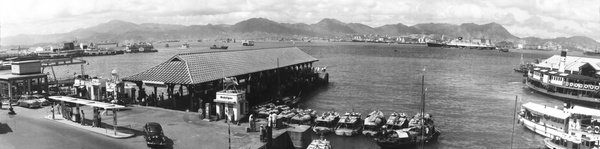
[(349, 124), (396, 121), (372, 124), (573, 78), (326, 122), (319, 144), (421, 129), (219, 47), (304, 117)]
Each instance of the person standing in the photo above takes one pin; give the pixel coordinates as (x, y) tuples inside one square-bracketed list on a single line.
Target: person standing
[(82, 118)]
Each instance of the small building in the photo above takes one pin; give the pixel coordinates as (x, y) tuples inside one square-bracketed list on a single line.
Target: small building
[(234, 103)]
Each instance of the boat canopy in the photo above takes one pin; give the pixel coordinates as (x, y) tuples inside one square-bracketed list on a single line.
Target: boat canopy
[(402, 134), (584, 111), (546, 110)]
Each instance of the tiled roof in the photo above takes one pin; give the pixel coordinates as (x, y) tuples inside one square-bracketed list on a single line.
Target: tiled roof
[(195, 68)]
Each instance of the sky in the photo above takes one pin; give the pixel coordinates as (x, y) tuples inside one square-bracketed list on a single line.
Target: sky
[(523, 18)]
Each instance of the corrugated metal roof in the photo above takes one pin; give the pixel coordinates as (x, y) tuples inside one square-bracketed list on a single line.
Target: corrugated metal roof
[(195, 68)]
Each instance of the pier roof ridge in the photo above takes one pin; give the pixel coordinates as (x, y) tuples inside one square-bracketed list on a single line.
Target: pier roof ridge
[(199, 67)]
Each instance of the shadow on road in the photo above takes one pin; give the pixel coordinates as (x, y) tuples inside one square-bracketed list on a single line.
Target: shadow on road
[(4, 128), (169, 145)]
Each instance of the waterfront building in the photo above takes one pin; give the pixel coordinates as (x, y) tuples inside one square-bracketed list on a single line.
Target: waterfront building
[(572, 78), (258, 72)]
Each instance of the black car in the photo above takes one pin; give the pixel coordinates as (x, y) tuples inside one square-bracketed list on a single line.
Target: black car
[(153, 133)]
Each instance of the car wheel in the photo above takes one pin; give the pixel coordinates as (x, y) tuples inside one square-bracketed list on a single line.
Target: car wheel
[(30, 106)]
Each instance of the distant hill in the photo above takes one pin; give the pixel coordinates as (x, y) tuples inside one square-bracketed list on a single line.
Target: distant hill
[(119, 31)]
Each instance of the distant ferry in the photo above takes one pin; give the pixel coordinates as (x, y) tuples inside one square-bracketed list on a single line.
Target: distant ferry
[(436, 44), (592, 53), (573, 78), (141, 47)]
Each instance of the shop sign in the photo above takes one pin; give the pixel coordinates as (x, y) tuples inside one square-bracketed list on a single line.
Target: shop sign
[(581, 86)]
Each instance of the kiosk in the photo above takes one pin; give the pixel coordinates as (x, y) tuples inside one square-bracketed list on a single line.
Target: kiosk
[(231, 104)]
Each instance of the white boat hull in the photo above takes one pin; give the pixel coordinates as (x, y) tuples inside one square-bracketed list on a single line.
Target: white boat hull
[(345, 132), (369, 133), (539, 128), (322, 130)]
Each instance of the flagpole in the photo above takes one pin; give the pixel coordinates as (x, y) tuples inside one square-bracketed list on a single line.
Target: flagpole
[(513, 124)]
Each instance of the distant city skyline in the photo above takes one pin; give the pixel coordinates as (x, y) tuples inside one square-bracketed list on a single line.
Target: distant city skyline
[(523, 18)]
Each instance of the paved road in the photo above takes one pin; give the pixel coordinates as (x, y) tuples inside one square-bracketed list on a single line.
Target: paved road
[(28, 129), (184, 130)]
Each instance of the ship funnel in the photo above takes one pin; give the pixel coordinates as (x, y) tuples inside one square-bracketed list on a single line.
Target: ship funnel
[(563, 59)]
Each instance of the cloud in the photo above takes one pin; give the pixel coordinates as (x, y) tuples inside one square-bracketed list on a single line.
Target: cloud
[(548, 18)]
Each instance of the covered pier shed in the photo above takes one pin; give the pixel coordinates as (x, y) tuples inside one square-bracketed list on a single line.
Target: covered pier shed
[(202, 73)]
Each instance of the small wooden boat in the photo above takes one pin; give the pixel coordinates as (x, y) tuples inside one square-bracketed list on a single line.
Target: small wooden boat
[(304, 117), (319, 144), (396, 121), (349, 124), (219, 47), (326, 122), (373, 123)]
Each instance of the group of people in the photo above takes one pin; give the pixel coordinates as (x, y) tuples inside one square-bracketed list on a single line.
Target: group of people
[(78, 116), (150, 100)]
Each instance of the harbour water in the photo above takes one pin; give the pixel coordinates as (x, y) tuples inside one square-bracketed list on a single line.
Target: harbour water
[(470, 93)]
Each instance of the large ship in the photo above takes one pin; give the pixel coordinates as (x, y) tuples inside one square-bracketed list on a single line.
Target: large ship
[(571, 78)]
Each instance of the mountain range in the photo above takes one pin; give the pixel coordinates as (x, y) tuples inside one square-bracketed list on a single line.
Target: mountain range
[(120, 31)]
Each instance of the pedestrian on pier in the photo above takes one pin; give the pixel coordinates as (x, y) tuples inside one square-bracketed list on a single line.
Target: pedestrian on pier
[(82, 118)]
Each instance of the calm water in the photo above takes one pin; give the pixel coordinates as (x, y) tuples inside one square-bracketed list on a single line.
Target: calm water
[(470, 93)]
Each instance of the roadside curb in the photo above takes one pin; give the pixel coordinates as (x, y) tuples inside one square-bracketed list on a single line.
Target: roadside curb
[(102, 131), (159, 108)]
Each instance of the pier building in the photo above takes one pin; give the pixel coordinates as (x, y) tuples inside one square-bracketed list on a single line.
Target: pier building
[(259, 73)]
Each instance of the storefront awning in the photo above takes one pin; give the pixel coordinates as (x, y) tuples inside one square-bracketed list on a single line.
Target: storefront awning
[(87, 102)]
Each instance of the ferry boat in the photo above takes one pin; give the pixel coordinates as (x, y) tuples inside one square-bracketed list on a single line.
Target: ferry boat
[(544, 120), (567, 141), (349, 124), (572, 78), (372, 124), (141, 47), (319, 144), (326, 122), (436, 44), (549, 122)]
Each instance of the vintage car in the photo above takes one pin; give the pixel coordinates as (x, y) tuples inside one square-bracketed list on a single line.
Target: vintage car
[(153, 133), (42, 99), (29, 101)]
